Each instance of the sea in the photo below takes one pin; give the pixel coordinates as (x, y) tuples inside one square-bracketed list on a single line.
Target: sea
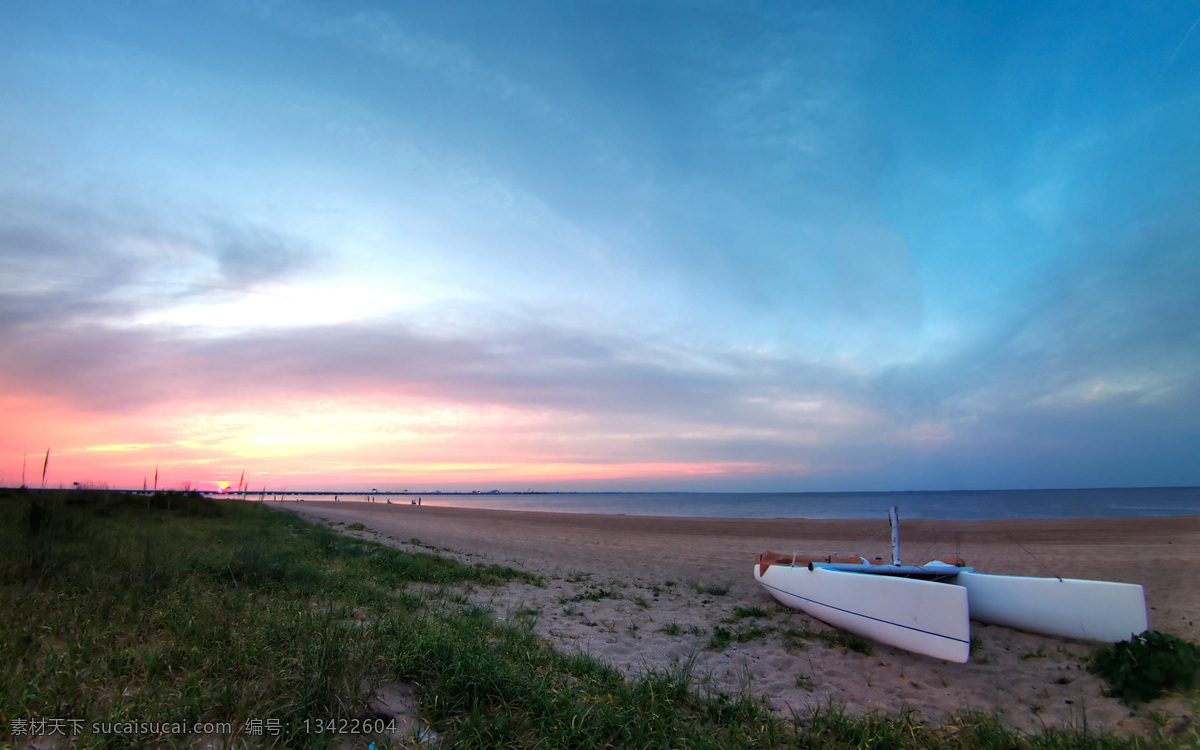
[(942, 505)]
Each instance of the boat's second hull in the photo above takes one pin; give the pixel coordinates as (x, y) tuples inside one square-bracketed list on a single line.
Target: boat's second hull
[(1064, 607)]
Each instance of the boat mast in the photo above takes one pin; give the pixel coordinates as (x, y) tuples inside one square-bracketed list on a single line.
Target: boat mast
[(894, 518)]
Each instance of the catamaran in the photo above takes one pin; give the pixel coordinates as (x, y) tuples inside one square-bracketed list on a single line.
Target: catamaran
[(927, 608)]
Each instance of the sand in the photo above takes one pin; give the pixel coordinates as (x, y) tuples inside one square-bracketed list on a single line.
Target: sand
[(645, 593)]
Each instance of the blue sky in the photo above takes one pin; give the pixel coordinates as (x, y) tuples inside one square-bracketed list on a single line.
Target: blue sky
[(789, 246)]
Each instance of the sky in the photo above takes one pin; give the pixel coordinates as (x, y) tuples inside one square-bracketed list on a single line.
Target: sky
[(606, 246)]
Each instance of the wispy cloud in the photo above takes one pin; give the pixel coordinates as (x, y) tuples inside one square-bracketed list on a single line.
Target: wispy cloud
[(250, 255)]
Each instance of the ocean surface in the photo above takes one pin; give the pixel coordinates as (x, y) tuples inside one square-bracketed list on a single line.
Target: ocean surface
[(950, 505)]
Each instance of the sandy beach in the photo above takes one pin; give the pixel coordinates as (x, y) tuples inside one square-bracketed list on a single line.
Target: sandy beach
[(646, 593)]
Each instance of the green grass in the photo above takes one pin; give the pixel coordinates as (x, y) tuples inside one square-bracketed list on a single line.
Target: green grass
[(796, 639), (722, 637), (748, 610), (123, 607)]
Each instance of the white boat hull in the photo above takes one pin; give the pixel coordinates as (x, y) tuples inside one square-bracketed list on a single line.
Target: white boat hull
[(915, 615), (1068, 608)]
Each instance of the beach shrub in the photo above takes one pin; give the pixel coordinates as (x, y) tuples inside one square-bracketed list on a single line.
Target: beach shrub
[(1143, 667)]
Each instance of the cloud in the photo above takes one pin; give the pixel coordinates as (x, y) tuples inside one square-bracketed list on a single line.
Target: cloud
[(537, 367), (250, 255), (1122, 307), (63, 262), (60, 261), (574, 396)]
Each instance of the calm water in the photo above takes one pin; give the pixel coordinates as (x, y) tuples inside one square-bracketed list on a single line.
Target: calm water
[(964, 505)]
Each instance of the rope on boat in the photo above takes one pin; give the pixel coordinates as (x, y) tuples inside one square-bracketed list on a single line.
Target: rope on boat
[(1035, 557), (925, 552)]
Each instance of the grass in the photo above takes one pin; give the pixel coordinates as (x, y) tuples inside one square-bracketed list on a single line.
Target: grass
[(747, 611), (592, 595), (118, 609), (978, 653), (722, 637), (712, 589), (796, 639)]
